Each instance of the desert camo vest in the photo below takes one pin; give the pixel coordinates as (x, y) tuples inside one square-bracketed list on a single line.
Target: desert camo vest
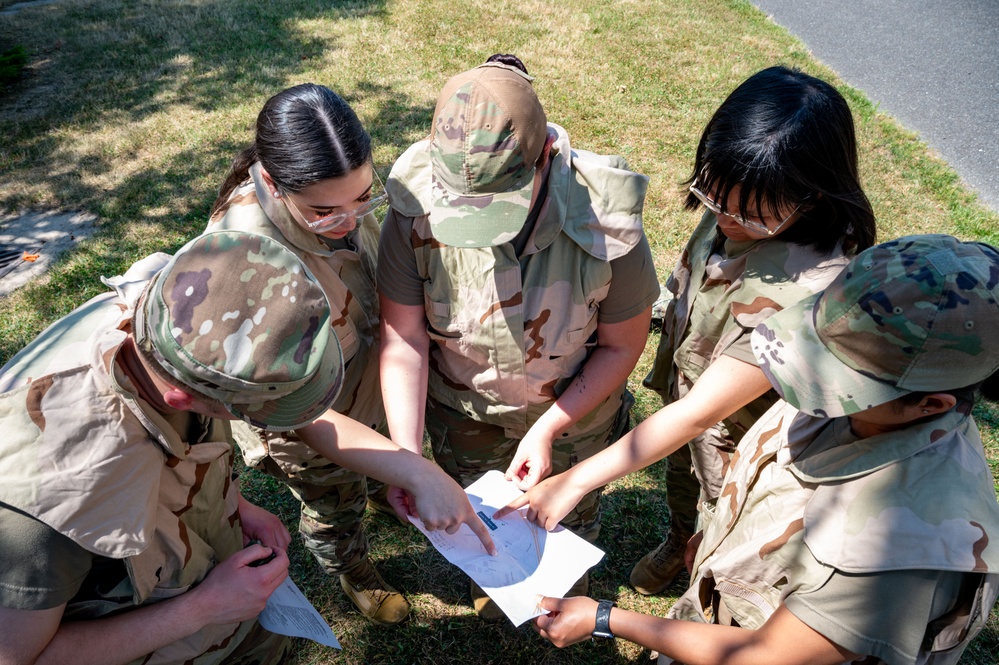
[(918, 498), (347, 275), (510, 333), (127, 485), (722, 289)]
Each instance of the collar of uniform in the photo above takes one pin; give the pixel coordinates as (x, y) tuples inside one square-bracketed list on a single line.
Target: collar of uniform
[(733, 248), (596, 200), (278, 214), (156, 425), (836, 454)]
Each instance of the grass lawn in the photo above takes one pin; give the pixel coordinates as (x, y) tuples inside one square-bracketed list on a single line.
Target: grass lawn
[(132, 110)]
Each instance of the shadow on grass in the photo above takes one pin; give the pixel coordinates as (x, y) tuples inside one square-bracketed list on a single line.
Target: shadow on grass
[(443, 628), (203, 70)]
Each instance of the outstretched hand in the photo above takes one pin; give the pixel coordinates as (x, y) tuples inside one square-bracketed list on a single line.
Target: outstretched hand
[(547, 503), (440, 503)]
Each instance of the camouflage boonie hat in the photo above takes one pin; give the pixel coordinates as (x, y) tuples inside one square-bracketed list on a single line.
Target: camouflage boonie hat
[(915, 314), (489, 131), (238, 318)]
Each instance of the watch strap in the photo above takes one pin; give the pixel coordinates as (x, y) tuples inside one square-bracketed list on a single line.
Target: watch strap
[(602, 626)]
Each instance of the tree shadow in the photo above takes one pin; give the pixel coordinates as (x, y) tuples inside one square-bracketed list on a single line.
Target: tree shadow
[(169, 68)]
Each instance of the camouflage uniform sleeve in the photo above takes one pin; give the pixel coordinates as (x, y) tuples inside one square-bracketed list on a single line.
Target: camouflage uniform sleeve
[(883, 614), (39, 567), (634, 285), (398, 278)]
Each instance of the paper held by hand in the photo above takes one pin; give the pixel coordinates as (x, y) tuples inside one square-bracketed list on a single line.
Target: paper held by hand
[(289, 612), (530, 560)]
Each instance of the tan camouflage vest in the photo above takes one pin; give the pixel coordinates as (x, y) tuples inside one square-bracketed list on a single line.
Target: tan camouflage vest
[(348, 278), (919, 498), (126, 485), (510, 333), (720, 292)]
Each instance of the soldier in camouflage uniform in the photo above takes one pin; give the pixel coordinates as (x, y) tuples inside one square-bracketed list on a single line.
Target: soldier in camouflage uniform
[(308, 182), (116, 459), (857, 521), (116, 469), (516, 286), (735, 271)]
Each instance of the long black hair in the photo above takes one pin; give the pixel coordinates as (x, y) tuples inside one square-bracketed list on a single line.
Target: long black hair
[(785, 138), (305, 134)]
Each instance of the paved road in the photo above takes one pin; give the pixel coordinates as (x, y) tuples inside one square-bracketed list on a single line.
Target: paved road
[(933, 64)]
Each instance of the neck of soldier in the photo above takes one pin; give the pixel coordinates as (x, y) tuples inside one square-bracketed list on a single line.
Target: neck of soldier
[(148, 386), (542, 168)]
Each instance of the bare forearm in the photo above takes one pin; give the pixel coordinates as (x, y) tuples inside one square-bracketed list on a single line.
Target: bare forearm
[(403, 372), (133, 634), (350, 444), (619, 346), (404, 393), (685, 641), (783, 640), (725, 387), (605, 371)]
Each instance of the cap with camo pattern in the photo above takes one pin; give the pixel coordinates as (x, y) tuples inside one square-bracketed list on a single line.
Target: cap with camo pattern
[(489, 131), (915, 314), (237, 317)]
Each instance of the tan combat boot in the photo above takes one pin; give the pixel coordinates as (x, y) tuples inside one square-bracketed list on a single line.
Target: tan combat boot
[(373, 596), (655, 571)]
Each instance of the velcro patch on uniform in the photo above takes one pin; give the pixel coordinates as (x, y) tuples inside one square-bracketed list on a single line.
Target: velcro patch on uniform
[(945, 261)]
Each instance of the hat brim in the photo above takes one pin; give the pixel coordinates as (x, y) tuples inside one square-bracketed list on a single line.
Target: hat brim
[(806, 373), (480, 220), (304, 405)]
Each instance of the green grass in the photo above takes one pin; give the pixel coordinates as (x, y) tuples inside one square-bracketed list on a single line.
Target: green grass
[(133, 109)]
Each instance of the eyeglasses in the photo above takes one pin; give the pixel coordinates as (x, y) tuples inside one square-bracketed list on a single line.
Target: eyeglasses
[(742, 221), (339, 219)]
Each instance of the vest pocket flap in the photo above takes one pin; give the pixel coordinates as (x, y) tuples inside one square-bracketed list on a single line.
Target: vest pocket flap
[(439, 309), (952, 629), (581, 336), (349, 340)]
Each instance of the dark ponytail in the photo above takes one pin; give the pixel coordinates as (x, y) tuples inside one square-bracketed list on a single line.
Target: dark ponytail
[(305, 134)]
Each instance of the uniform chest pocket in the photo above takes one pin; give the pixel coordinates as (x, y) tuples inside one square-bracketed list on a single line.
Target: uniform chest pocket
[(346, 333), (441, 324)]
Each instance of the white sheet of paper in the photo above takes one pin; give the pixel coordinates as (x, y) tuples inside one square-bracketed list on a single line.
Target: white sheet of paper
[(289, 612), (530, 560)]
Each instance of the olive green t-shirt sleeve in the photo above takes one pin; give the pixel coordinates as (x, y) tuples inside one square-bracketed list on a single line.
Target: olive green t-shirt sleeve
[(398, 279), (634, 285), (39, 567), (882, 614), (741, 349)]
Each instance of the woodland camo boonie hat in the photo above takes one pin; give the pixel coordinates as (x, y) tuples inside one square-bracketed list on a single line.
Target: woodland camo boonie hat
[(238, 318), (489, 131), (919, 313)]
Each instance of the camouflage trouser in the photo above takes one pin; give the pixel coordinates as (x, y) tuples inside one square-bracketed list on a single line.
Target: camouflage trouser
[(333, 500), (261, 647), (466, 449), (694, 474)]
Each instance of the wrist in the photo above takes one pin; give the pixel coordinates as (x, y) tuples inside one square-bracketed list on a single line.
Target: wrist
[(601, 627)]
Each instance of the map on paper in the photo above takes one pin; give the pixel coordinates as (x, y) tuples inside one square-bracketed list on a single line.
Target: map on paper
[(289, 612), (530, 560)]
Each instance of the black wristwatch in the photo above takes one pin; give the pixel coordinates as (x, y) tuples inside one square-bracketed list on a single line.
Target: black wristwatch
[(602, 627)]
